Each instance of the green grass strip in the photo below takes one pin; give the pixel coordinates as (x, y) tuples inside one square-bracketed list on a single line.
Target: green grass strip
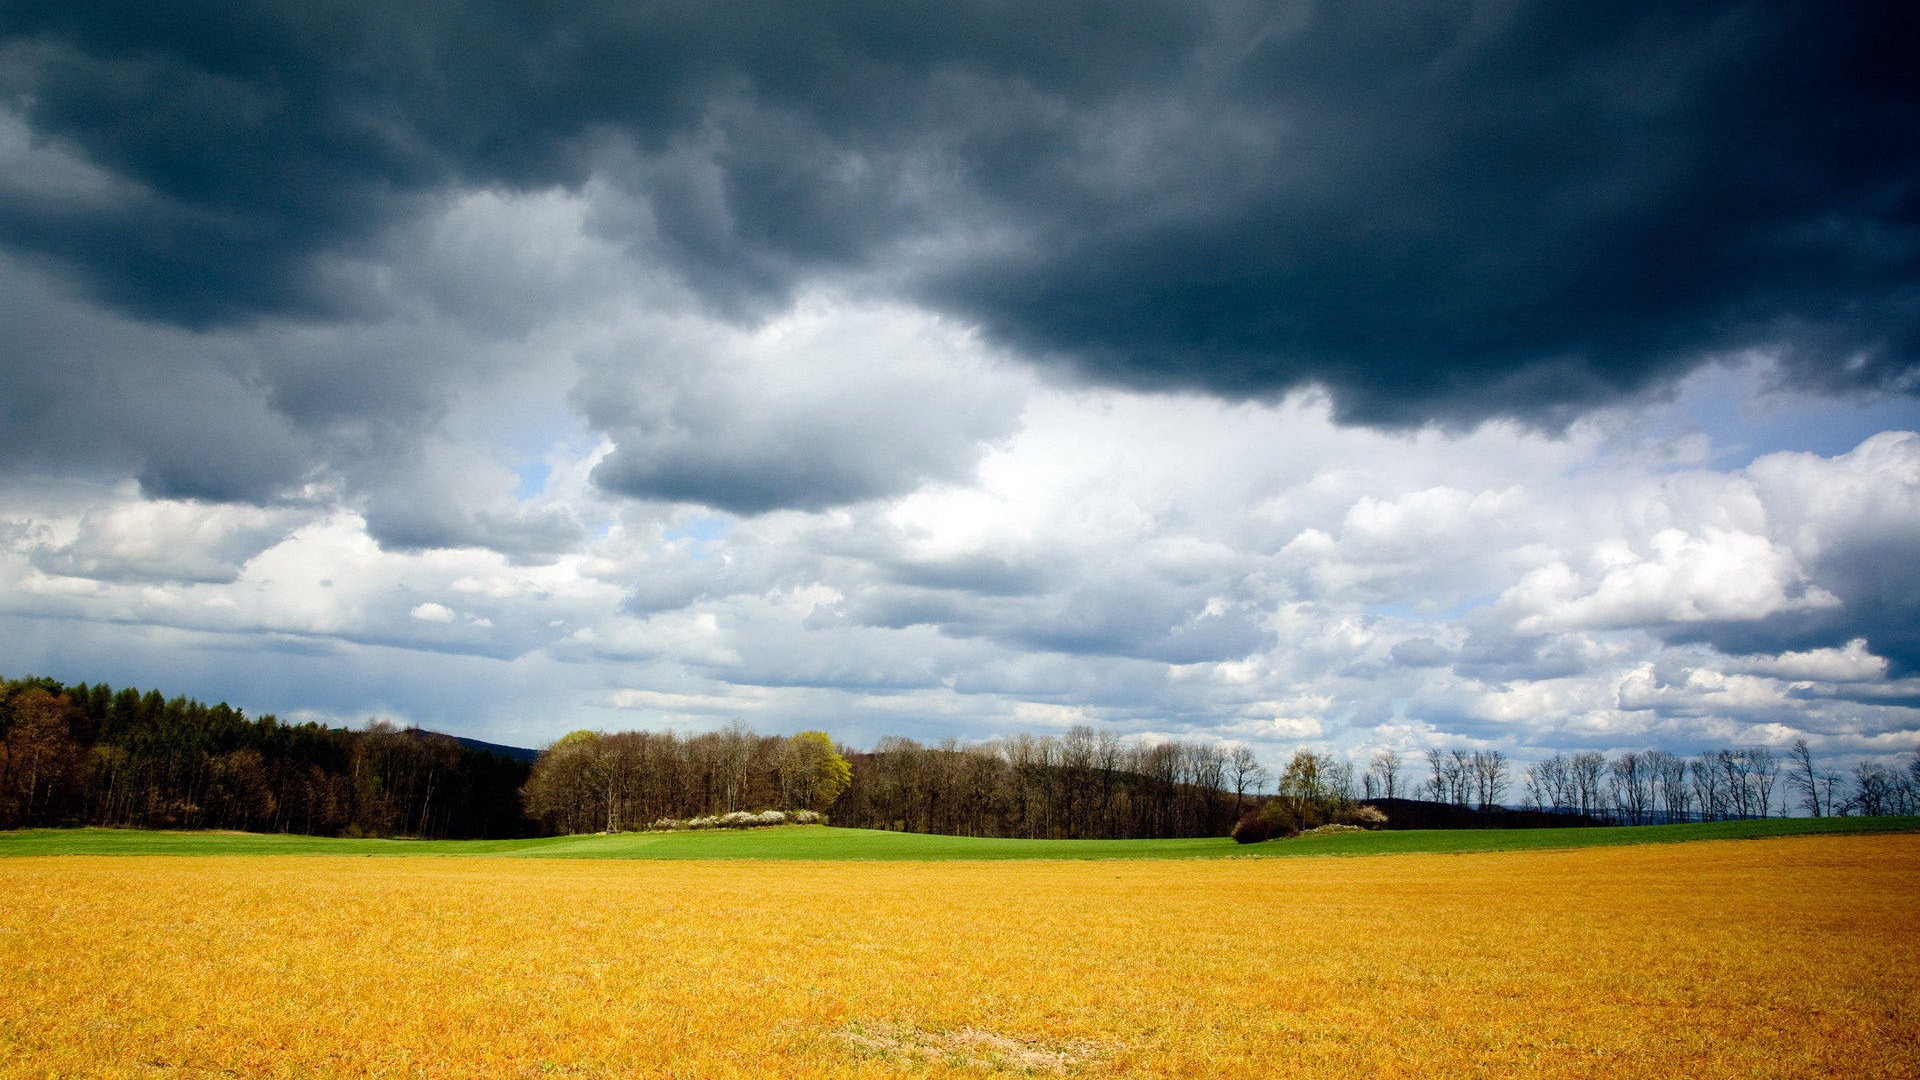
[(826, 843)]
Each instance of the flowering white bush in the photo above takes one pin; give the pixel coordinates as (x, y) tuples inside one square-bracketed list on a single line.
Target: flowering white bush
[(740, 819)]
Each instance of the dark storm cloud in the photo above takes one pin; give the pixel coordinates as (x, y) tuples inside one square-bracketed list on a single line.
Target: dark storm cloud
[(263, 133), (1437, 211), (101, 396), (249, 416), (1457, 215)]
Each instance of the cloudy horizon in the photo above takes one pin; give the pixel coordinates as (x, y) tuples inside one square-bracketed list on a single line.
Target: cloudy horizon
[(1297, 375)]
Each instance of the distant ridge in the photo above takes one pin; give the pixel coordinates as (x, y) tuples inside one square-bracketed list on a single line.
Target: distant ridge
[(514, 753)]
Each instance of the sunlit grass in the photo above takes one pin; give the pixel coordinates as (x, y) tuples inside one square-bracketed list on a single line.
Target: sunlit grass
[(818, 842), (1789, 957)]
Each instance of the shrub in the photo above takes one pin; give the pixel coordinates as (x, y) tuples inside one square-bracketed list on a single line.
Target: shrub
[(1367, 817), (740, 819), (1323, 830), (1277, 817), (1252, 828)]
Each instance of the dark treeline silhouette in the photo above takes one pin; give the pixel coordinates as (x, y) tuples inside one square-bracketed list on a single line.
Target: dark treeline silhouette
[(1081, 785), (90, 755)]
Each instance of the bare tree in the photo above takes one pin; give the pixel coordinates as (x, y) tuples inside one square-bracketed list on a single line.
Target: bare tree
[(1337, 779), (1737, 776), (1206, 775), (1491, 775), (1108, 756), (1803, 776), (1709, 793), (1669, 773), (1907, 788), (1587, 769), (1076, 780), (1387, 763), (1533, 787), (1437, 762), (1247, 773), (1765, 769), (736, 755), (1460, 775), (1829, 793), (624, 758), (1627, 783), (1550, 784), (1879, 791)]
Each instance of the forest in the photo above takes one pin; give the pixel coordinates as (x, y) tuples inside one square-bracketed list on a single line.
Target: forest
[(1078, 786), (91, 755), (1081, 786)]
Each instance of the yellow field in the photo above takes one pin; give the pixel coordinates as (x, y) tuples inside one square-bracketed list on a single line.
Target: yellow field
[(1795, 957)]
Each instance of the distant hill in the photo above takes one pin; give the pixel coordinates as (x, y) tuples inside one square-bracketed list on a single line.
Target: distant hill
[(512, 753)]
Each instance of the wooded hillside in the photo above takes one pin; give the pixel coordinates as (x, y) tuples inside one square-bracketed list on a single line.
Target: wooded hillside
[(87, 754)]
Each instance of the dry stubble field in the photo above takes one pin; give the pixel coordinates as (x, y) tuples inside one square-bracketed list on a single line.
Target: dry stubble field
[(1791, 957)]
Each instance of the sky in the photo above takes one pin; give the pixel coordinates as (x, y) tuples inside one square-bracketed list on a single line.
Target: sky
[(1337, 375)]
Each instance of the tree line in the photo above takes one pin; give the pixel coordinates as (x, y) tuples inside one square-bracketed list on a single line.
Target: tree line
[(1081, 784), (91, 755), (88, 754), (1648, 787)]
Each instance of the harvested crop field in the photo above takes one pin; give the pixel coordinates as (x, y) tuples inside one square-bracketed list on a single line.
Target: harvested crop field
[(1786, 957)]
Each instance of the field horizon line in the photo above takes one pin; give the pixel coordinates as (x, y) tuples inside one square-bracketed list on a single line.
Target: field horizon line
[(836, 844)]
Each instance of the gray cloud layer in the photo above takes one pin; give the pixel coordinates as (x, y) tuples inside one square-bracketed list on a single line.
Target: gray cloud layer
[(1437, 211)]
